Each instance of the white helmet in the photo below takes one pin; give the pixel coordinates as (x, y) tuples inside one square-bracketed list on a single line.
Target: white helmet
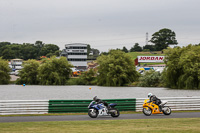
[(149, 95)]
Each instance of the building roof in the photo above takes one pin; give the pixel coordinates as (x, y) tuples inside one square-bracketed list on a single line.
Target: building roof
[(76, 44), (17, 59)]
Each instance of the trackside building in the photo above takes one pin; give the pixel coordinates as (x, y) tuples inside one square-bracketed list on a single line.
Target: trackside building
[(76, 54)]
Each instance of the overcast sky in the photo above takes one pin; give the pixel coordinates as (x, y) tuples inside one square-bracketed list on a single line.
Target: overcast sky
[(104, 24)]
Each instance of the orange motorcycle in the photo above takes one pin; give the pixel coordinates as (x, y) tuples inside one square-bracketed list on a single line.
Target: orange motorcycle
[(152, 108)]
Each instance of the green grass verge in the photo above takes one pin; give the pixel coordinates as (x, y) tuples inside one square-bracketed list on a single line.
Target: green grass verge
[(53, 114), (175, 125)]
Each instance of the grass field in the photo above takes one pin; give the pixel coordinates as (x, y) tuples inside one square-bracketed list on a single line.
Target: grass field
[(135, 54), (177, 125)]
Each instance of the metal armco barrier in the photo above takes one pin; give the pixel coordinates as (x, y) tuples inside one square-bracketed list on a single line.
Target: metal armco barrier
[(65, 106), (175, 103), (8, 107)]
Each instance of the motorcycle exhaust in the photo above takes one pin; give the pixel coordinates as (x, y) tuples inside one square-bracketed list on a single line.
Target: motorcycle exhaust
[(164, 109), (112, 111)]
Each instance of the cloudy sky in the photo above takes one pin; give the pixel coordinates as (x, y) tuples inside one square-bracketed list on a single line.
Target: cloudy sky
[(104, 24)]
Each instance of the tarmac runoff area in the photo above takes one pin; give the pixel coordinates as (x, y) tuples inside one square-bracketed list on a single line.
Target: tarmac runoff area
[(87, 118)]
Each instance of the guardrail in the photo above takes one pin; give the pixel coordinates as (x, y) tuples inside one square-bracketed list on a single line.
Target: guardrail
[(9, 107), (65, 106)]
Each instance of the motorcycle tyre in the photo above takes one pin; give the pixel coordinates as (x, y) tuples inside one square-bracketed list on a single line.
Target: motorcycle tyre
[(145, 113), (166, 112), (114, 115), (93, 116)]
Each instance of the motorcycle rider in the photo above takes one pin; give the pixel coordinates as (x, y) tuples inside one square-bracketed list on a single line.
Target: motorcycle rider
[(97, 100), (153, 98)]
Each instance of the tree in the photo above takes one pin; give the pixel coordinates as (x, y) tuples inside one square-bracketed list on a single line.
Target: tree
[(104, 53), (4, 71), (163, 38), (125, 49), (150, 47), (88, 49), (183, 67), (29, 51), (39, 44), (8, 53), (54, 71), (116, 69), (29, 73), (49, 49), (135, 48), (2, 44)]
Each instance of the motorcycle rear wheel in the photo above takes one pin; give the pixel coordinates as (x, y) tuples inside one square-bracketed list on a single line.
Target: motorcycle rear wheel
[(93, 113), (147, 112), (167, 110), (116, 113)]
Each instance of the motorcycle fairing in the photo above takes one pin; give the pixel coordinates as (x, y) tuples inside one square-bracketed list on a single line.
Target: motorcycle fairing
[(112, 104)]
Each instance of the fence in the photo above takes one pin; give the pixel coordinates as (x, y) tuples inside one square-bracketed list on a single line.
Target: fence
[(65, 106)]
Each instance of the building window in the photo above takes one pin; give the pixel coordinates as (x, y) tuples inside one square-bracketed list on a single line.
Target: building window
[(77, 53), (77, 59), (77, 47)]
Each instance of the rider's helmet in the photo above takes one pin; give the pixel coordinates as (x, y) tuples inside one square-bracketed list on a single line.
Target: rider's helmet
[(95, 98), (149, 95)]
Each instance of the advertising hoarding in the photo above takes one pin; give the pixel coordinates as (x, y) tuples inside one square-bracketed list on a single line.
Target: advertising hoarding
[(159, 59)]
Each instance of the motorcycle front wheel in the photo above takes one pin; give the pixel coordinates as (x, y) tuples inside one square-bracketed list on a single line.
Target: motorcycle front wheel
[(147, 111), (93, 113), (115, 113), (167, 110)]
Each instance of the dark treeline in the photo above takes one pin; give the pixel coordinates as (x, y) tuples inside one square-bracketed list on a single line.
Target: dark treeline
[(27, 50)]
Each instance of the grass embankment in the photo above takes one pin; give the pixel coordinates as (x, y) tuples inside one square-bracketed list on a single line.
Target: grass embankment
[(135, 54), (183, 125)]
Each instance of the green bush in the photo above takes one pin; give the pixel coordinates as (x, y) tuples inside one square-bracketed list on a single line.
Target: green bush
[(88, 77), (4, 72), (150, 79), (74, 81), (146, 50)]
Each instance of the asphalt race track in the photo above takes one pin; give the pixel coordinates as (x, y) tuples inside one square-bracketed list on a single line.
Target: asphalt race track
[(86, 117)]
